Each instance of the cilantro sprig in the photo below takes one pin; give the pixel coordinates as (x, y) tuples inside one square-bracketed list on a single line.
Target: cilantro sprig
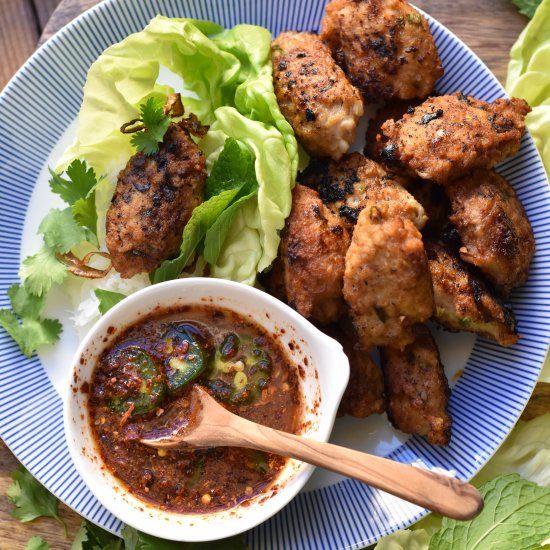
[(61, 231)]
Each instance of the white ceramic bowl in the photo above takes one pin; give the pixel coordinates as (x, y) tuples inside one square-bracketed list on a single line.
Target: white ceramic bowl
[(323, 378)]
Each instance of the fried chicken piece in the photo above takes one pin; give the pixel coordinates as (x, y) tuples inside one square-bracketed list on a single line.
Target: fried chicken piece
[(448, 136), (493, 228), (364, 394), (313, 249), (346, 186), (384, 46), (417, 391), (314, 94), (153, 200), (391, 111), (387, 284), (463, 301)]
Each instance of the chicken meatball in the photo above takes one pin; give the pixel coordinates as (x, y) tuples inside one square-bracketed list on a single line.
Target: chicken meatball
[(387, 284), (463, 301), (417, 391), (314, 94), (448, 136), (384, 46), (493, 227), (364, 394), (346, 186), (313, 247), (153, 200)]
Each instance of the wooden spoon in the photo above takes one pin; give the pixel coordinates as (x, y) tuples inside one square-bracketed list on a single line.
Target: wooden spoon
[(211, 425)]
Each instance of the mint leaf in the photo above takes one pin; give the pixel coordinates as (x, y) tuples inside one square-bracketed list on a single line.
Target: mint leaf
[(234, 168), (156, 124), (107, 299), (515, 516), (215, 236), (36, 543), (31, 499), (61, 232), (82, 180), (42, 270), (527, 7), (202, 218)]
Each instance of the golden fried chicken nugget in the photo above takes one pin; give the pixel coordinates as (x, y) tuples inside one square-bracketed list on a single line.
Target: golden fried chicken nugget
[(314, 94), (463, 301), (387, 284), (153, 200), (347, 185), (447, 136), (417, 391), (314, 246), (384, 46), (493, 226)]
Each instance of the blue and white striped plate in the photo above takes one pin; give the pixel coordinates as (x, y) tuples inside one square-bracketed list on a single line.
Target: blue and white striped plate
[(37, 114)]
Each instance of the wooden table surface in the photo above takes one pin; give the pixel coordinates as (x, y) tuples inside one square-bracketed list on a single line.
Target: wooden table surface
[(489, 27)]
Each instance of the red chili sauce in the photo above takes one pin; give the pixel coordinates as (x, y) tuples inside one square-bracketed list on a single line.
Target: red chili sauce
[(153, 365)]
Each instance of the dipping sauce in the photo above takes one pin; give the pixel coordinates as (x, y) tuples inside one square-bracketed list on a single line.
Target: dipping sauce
[(140, 380)]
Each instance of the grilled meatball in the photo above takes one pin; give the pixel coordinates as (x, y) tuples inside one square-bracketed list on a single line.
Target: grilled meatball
[(417, 391), (433, 199), (313, 247), (364, 394), (386, 283), (347, 185), (448, 136), (314, 94), (463, 301), (154, 197), (384, 46), (493, 227)]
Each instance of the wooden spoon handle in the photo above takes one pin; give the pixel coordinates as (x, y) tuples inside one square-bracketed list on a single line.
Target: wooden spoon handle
[(442, 494)]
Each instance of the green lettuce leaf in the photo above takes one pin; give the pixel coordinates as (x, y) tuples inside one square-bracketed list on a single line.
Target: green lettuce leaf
[(227, 78), (529, 77)]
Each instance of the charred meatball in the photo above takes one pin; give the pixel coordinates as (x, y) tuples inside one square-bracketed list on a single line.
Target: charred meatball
[(448, 136), (387, 285), (313, 249), (417, 391), (493, 227), (154, 197), (314, 94), (463, 301), (347, 185), (384, 46)]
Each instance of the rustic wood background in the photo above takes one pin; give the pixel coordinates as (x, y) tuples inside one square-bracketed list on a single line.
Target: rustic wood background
[(489, 27)]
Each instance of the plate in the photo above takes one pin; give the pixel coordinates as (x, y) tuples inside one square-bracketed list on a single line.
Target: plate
[(331, 512)]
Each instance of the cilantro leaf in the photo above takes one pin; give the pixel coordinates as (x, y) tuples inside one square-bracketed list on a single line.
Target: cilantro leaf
[(202, 218), (92, 537), (42, 270), (107, 299), (527, 7), (156, 124), (515, 516), (234, 168), (31, 499), (135, 540), (37, 543), (82, 180), (85, 215), (61, 232), (24, 303)]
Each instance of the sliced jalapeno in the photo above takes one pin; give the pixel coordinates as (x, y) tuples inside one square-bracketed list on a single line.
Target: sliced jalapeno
[(139, 382), (187, 356)]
